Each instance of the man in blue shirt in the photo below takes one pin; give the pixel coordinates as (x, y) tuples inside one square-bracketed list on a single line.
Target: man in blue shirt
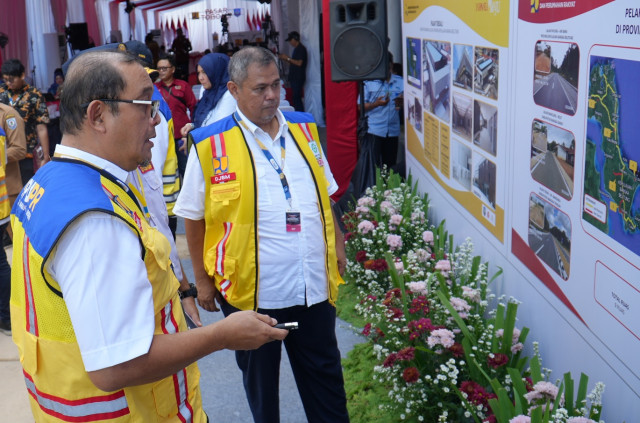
[(382, 102)]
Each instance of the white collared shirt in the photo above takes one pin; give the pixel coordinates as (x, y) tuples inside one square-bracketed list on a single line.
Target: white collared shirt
[(97, 263), (292, 267)]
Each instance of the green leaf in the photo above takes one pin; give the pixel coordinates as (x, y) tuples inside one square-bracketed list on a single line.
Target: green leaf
[(509, 325), (582, 390), (568, 398), (461, 324), (520, 389), (536, 374)]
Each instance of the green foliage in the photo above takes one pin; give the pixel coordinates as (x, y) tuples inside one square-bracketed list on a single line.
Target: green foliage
[(363, 393)]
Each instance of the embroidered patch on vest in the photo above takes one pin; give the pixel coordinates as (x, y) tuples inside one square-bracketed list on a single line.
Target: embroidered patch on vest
[(223, 177), (220, 165)]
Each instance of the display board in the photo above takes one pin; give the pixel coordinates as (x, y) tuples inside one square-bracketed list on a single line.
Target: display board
[(524, 116)]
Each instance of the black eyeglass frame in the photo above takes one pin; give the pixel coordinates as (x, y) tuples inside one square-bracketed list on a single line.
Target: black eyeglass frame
[(155, 104)]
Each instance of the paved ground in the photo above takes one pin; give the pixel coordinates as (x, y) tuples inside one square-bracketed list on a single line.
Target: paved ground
[(223, 394)]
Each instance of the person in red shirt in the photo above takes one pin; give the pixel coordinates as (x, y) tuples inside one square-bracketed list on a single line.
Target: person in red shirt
[(180, 98)]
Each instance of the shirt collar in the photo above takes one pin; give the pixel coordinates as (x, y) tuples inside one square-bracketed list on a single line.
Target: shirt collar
[(253, 128), (99, 162)]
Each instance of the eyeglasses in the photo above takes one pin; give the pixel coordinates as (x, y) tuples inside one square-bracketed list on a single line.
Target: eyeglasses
[(164, 68), (155, 104), (9, 79)]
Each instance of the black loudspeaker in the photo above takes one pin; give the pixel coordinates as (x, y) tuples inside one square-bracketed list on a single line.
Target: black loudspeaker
[(78, 36), (358, 40)]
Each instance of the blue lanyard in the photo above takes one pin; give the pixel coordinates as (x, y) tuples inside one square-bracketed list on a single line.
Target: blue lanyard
[(271, 160)]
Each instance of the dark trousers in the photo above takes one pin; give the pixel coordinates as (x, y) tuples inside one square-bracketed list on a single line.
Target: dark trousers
[(5, 282), (386, 151), (173, 226), (297, 91), (182, 161), (26, 169), (315, 362)]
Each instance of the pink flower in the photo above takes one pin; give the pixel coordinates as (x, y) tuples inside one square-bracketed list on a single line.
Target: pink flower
[(417, 217), (395, 219), (362, 210), (520, 419), (471, 294), (387, 207), (419, 287), (427, 237), (394, 241), (399, 265), (542, 390), (443, 266), (365, 226), (442, 337), (366, 201), (515, 348), (411, 375), (422, 255), (460, 305)]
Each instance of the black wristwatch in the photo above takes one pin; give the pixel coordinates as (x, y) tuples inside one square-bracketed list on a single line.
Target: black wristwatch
[(191, 292)]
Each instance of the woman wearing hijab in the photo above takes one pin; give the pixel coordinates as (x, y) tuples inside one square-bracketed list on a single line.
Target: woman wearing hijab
[(216, 102), (58, 78)]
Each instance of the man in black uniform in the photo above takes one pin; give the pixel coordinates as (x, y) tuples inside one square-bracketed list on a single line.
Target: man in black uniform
[(297, 69)]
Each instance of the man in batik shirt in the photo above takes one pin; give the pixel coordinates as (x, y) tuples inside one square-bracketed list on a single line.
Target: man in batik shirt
[(31, 106)]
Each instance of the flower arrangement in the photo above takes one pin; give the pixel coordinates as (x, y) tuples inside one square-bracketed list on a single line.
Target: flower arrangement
[(444, 354)]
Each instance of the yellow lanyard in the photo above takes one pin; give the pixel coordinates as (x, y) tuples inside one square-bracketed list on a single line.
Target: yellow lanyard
[(140, 195)]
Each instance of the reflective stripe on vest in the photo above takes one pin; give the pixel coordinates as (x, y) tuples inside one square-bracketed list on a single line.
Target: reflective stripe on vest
[(89, 409), (221, 247), (218, 148), (29, 303), (185, 410)]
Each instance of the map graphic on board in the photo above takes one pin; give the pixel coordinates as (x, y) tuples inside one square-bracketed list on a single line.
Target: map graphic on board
[(612, 177)]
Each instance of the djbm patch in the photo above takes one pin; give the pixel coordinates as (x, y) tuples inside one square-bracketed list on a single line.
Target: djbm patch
[(220, 165)]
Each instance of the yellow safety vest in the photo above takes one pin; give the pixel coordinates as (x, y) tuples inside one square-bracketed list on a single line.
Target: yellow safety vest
[(60, 389), (170, 175), (231, 216)]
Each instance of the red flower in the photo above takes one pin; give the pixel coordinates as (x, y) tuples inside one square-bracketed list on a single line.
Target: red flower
[(419, 303), (391, 295), (498, 360), (348, 236), (476, 394), (528, 383), (375, 223), (390, 360), (406, 354), (367, 329), (379, 265), (457, 350), (361, 256), (411, 375), (395, 313)]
